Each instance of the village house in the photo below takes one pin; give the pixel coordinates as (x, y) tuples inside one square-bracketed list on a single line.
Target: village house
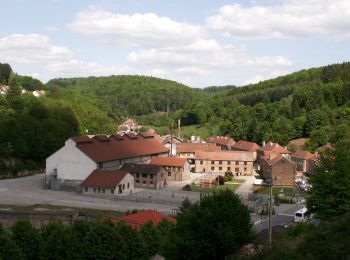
[(279, 169), (108, 182), (73, 163), (178, 169), (237, 162), (302, 159), (128, 126), (188, 150), (224, 142), (246, 146), (171, 143), (147, 175), (270, 150), (138, 219)]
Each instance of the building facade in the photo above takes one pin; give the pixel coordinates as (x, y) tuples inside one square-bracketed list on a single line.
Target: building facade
[(239, 163), (146, 175), (178, 169)]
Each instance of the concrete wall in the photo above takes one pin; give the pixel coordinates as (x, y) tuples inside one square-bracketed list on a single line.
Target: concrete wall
[(244, 168), (178, 173), (37, 218), (70, 163), (151, 181)]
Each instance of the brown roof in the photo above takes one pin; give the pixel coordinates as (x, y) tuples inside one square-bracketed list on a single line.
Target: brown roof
[(225, 156), (192, 148), (246, 146), (104, 178), (302, 155), (118, 147), (169, 161), (142, 168), (271, 147), (276, 159), (222, 140)]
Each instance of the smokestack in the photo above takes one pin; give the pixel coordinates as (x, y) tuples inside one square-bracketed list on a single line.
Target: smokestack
[(179, 128), (263, 143)]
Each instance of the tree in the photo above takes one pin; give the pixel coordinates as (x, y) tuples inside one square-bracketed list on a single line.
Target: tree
[(8, 248), (213, 228), (329, 195), (27, 239), (151, 238)]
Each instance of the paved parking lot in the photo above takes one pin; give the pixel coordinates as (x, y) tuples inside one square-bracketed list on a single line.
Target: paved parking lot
[(29, 190)]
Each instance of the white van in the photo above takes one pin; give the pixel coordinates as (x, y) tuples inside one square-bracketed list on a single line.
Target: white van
[(302, 215)]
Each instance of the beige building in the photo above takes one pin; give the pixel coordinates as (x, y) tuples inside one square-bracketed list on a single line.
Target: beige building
[(237, 162), (108, 182), (188, 150), (178, 169), (146, 175)]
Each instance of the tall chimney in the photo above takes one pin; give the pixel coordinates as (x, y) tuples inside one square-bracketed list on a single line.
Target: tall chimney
[(179, 128)]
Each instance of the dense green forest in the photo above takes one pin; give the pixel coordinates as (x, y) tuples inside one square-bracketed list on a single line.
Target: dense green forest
[(313, 103)]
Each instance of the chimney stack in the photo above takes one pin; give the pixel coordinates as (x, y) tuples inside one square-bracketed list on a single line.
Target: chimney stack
[(178, 128)]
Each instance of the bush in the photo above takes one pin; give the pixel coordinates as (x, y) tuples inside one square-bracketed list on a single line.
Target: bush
[(187, 187), (229, 175), (220, 179)]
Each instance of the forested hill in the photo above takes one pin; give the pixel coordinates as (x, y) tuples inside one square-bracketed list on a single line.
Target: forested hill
[(311, 103), (122, 96)]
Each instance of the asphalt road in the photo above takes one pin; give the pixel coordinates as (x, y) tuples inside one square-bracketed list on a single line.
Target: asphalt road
[(29, 190)]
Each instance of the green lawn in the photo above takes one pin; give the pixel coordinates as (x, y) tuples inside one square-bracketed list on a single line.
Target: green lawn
[(287, 191), (236, 181), (229, 186)]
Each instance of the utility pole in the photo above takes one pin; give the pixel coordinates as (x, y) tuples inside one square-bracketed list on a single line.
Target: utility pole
[(171, 140), (270, 215)]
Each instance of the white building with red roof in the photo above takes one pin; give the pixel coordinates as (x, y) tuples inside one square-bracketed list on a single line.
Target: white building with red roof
[(80, 155)]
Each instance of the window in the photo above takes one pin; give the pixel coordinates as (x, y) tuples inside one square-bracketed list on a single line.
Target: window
[(128, 185), (245, 163), (212, 162), (112, 191), (86, 189), (137, 181), (123, 186), (144, 175), (99, 190), (94, 190), (237, 163), (229, 168), (228, 162), (151, 176), (150, 182), (144, 182), (137, 175), (212, 168), (201, 162), (103, 190), (245, 169), (169, 174), (220, 162), (220, 168), (100, 165)]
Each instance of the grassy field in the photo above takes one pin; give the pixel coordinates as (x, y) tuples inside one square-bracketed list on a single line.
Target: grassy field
[(287, 191), (58, 208), (230, 186)]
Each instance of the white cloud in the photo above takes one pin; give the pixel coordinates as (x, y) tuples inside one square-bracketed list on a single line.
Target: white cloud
[(285, 19), (51, 29), (138, 29), (31, 48), (258, 78)]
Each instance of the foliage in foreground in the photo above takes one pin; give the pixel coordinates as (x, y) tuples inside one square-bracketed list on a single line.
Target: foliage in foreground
[(216, 226)]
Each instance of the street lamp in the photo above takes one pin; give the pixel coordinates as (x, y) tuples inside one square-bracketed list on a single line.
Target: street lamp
[(269, 181)]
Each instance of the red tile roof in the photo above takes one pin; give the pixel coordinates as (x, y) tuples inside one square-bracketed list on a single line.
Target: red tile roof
[(242, 156), (138, 219), (302, 155), (271, 147), (168, 161), (222, 140), (277, 158), (246, 146), (118, 147), (104, 178), (192, 148)]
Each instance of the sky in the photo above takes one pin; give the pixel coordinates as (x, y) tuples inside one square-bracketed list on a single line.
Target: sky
[(199, 43)]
